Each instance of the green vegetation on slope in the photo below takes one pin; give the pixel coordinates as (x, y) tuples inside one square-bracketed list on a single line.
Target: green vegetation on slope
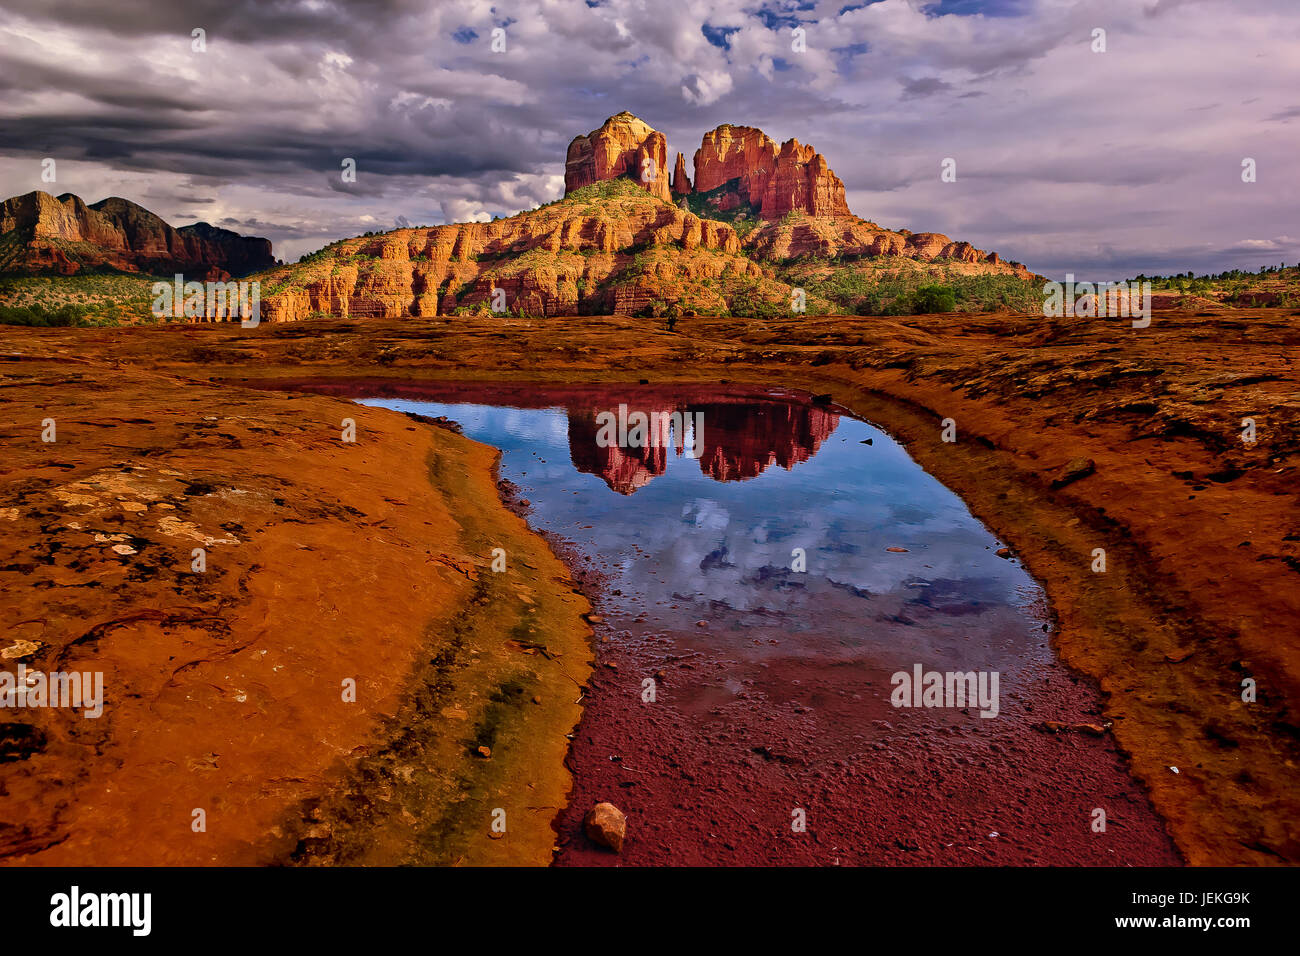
[(743, 218), (77, 300), (894, 286)]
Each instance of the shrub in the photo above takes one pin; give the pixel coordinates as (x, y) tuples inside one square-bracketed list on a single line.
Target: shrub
[(35, 315), (934, 298)]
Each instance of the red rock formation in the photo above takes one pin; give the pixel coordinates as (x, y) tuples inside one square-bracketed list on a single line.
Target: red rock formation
[(626, 254), (681, 183), (434, 270), (735, 153), (927, 245), (624, 468), (740, 441), (802, 182), (775, 182), (623, 146), (67, 235), (227, 250), (850, 236)]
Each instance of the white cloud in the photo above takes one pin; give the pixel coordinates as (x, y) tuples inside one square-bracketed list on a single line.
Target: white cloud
[(461, 210)]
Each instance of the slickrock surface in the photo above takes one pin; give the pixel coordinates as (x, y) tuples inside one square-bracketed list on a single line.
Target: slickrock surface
[(326, 561), (1201, 532)]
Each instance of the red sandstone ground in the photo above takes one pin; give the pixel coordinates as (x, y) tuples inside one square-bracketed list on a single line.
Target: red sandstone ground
[(711, 773), (325, 561), (1201, 530)]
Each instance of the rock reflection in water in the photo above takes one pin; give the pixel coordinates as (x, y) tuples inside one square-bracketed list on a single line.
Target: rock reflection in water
[(732, 441), (897, 570)]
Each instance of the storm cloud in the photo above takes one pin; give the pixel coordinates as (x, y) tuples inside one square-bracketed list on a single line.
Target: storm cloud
[(1104, 164)]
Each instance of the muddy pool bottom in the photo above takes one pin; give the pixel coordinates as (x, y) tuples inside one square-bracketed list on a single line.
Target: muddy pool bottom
[(810, 653)]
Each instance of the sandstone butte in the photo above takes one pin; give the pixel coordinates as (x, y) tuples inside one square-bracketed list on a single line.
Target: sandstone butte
[(625, 247), (40, 233), (623, 146), (740, 161)]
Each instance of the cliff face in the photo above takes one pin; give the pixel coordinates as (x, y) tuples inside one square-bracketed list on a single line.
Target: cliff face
[(621, 253), (623, 147), (802, 182), (43, 233), (238, 255), (748, 167), (740, 153)]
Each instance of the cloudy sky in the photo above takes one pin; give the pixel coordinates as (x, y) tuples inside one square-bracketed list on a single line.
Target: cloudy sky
[(1100, 163)]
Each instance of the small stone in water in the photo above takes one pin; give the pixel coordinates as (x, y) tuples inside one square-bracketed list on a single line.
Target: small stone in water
[(606, 825)]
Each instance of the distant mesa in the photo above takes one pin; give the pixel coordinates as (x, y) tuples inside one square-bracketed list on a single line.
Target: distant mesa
[(44, 234)]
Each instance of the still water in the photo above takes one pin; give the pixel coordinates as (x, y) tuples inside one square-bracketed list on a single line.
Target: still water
[(795, 523)]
